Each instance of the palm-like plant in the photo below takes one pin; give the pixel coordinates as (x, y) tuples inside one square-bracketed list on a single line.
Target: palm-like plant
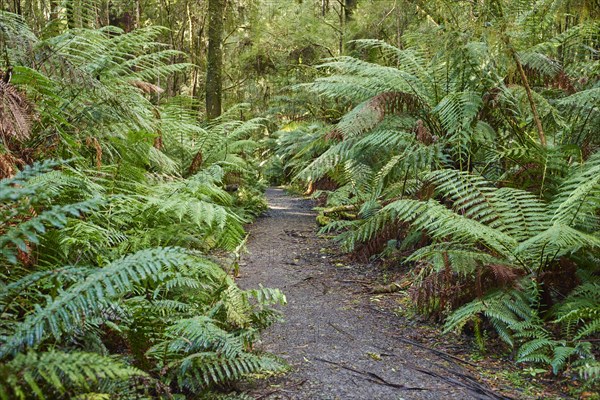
[(473, 138), (505, 241)]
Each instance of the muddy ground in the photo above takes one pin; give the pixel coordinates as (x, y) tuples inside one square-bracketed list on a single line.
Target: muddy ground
[(338, 341)]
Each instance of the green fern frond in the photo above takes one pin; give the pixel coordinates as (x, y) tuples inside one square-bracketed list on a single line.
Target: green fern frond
[(62, 373), (267, 296), (201, 370), (561, 357), (590, 370), (29, 230), (199, 334), (540, 62), (68, 310), (578, 196), (466, 313), (536, 350)]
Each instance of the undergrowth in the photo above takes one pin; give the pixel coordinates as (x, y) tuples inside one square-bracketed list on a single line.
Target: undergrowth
[(121, 222), (450, 161)]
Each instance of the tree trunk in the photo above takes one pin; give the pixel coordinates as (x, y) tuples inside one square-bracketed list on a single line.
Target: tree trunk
[(525, 81), (536, 117), (214, 62), (349, 7), (138, 14)]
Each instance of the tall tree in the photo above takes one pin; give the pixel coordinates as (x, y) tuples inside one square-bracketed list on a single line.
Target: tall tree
[(349, 7), (214, 62)]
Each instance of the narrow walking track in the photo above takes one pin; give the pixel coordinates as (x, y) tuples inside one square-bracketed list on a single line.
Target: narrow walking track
[(339, 347)]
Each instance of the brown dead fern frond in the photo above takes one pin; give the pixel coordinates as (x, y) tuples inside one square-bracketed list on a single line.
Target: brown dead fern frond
[(196, 163), (503, 275), (423, 134), (334, 135), (373, 111), (16, 114), (324, 183), (8, 165), (146, 87), (441, 292), (93, 142), (396, 102)]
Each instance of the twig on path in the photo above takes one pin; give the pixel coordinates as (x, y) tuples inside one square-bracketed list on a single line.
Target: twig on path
[(472, 384), (391, 288), (361, 281), (371, 377), (308, 278), (264, 396), (340, 330), (440, 353)]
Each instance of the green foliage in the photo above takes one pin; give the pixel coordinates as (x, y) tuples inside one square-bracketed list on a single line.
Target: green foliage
[(459, 138), (437, 149), (105, 257), (56, 374), (154, 300)]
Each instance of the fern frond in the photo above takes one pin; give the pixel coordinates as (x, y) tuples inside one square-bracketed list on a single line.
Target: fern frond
[(63, 373), (30, 230), (201, 370), (199, 334), (68, 310)]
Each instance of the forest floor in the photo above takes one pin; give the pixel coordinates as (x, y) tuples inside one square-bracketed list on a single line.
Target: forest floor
[(340, 340)]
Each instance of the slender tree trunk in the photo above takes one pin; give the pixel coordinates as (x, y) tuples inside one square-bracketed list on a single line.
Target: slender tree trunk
[(214, 67), (349, 7), (214, 62), (515, 57), (342, 17), (536, 116), (138, 14), (192, 50)]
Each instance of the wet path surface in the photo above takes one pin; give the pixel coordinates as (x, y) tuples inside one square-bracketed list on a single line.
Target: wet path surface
[(338, 345)]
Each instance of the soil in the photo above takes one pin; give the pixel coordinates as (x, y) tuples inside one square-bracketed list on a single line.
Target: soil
[(339, 340)]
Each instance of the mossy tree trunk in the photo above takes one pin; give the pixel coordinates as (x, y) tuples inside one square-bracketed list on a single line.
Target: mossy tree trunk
[(349, 7), (214, 62)]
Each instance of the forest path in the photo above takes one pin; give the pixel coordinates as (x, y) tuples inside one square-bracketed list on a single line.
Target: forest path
[(339, 345)]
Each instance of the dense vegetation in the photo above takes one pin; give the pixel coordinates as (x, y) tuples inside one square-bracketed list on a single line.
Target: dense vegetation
[(117, 256), (469, 153), (457, 140)]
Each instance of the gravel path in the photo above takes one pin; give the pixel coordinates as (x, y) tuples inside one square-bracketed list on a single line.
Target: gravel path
[(338, 345)]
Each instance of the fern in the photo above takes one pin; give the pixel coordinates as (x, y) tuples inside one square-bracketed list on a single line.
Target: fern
[(53, 373), (67, 310), (199, 371), (199, 334)]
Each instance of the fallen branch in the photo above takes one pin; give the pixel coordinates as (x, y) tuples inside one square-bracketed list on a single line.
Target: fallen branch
[(372, 377), (472, 384), (391, 288), (336, 209), (340, 330), (281, 390), (440, 353)]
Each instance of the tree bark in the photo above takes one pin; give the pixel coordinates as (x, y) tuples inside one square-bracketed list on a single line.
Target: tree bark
[(214, 62), (349, 7)]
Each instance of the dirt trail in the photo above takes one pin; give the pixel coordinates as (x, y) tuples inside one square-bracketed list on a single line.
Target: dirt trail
[(338, 344)]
